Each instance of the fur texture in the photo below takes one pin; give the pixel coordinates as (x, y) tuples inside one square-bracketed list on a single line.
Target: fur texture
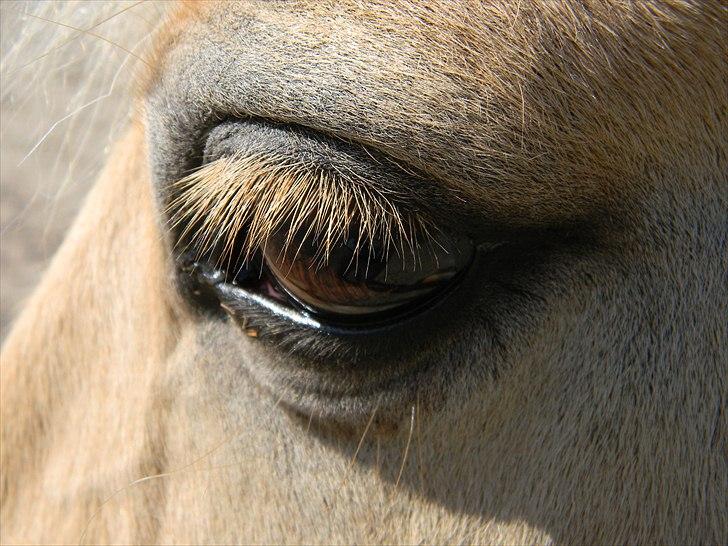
[(578, 396)]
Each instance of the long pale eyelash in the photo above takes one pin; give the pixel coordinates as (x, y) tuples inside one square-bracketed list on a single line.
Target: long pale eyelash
[(232, 206)]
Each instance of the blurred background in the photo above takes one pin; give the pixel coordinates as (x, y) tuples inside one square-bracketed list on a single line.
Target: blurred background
[(66, 68)]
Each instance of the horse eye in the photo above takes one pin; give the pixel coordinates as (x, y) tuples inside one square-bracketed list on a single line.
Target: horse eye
[(355, 281)]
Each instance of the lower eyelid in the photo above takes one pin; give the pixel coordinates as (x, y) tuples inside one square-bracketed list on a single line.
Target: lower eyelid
[(238, 302), (296, 338)]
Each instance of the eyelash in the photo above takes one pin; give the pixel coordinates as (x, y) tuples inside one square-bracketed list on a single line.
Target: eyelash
[(229, 208)]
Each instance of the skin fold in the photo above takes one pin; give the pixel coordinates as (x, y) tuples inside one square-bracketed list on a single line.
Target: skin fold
[(570, 389)]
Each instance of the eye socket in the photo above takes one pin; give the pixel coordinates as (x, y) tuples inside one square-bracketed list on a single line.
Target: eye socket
[(358, 282), (340, 234)]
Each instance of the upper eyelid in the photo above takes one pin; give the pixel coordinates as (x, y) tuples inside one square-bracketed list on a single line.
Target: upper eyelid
[(262, 186), (411, 193)]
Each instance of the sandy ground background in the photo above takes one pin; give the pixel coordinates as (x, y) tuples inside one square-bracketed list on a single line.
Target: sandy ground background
[(64, 98)]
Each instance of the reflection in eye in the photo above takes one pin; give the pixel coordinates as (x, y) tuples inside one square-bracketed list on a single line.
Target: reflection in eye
[(356, 281)]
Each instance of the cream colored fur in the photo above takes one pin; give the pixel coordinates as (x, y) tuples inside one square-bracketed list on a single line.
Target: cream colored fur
[(127, 419)]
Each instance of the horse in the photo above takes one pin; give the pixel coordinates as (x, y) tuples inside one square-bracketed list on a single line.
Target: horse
[(391, 272)]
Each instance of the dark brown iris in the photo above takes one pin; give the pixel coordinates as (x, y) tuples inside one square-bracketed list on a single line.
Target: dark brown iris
[(360, 280)]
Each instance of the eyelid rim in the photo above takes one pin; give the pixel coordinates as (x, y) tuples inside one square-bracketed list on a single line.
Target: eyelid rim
[(235, 299)]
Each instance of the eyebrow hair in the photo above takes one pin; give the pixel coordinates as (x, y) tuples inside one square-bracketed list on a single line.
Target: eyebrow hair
[(232, 206)]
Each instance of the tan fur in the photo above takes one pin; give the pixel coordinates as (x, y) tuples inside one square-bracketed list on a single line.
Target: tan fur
[(127, 419), (47, 398)]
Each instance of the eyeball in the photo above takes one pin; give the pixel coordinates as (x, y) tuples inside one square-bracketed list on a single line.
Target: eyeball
[(356, 280)]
